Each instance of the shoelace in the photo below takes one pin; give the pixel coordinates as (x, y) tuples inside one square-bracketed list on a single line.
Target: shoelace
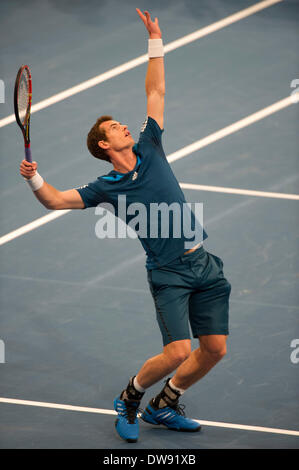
[(179, 409), (131, 410)]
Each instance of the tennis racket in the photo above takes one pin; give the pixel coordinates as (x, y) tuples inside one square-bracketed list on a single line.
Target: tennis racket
[(22, 104)]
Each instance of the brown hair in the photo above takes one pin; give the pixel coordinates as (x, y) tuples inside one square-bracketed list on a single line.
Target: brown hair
[(94, 136)]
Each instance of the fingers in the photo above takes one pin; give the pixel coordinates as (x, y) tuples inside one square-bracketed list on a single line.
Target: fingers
[(28, 169), (146, 17), (29, 165), (141, 15), (151, 26)]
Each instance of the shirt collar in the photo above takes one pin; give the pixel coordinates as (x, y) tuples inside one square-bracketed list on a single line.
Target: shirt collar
[(116, 173)]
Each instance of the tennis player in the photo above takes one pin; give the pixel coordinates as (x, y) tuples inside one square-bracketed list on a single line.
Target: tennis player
[(188, 286)]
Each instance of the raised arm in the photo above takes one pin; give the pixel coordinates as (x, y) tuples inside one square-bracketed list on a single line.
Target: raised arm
[(155, 77), (47, 195)]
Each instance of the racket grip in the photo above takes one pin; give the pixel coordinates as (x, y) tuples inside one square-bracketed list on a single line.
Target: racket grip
[(28, 154)]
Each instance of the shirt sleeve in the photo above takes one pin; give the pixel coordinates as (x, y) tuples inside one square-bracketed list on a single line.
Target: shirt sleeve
[(151, 131), (90, 194)]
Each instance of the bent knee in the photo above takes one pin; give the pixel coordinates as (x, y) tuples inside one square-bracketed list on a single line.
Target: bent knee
[(216, 350), (177, 353), (217, 355), (181, 356)]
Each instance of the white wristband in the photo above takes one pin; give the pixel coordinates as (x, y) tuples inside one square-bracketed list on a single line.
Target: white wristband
[(35, 182), (155, 48)]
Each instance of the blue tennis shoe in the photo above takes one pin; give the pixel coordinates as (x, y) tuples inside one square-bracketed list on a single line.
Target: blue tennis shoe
[(172, 417), (126, 423)]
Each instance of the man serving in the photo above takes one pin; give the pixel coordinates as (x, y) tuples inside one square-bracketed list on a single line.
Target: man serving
[(187, 285)]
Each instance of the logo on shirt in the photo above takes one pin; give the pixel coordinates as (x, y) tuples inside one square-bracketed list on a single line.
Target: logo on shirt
[(144, 125), (135, 174)]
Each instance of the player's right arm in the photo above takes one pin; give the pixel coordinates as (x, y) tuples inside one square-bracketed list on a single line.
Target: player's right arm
[(49, 196)]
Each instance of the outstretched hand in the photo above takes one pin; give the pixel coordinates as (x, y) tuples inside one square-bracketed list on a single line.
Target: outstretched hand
[(152, 26)]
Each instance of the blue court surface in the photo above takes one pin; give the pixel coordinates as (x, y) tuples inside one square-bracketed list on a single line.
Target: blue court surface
[(77, 316)]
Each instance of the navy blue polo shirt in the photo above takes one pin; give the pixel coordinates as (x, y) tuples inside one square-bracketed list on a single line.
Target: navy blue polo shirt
[(152, 185)]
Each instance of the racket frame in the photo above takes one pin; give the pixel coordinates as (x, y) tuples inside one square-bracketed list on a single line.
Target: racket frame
[(25, 128)]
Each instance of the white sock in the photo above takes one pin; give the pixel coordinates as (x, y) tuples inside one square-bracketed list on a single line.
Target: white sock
[(177, 389), (137, 386)]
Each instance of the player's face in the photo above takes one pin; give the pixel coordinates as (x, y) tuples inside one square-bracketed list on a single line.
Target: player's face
[(117, 135)]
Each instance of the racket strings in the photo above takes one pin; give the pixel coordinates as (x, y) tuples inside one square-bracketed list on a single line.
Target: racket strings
[(23, 96)]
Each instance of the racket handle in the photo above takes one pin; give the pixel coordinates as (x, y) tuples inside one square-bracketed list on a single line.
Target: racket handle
[(28, 154)]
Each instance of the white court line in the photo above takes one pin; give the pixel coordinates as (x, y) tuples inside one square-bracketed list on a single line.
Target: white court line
[(177, 156), (144, 58), (236, 126), (32, 225), (244, 192), (111, 412)]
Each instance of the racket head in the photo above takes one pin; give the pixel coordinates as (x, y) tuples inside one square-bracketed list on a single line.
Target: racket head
[(22, 101)]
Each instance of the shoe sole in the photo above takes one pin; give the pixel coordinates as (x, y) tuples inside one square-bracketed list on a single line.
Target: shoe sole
[(130, 441), (172, 429)]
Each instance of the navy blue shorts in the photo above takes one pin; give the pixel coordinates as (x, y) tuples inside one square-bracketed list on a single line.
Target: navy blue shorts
[(191, 289)]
